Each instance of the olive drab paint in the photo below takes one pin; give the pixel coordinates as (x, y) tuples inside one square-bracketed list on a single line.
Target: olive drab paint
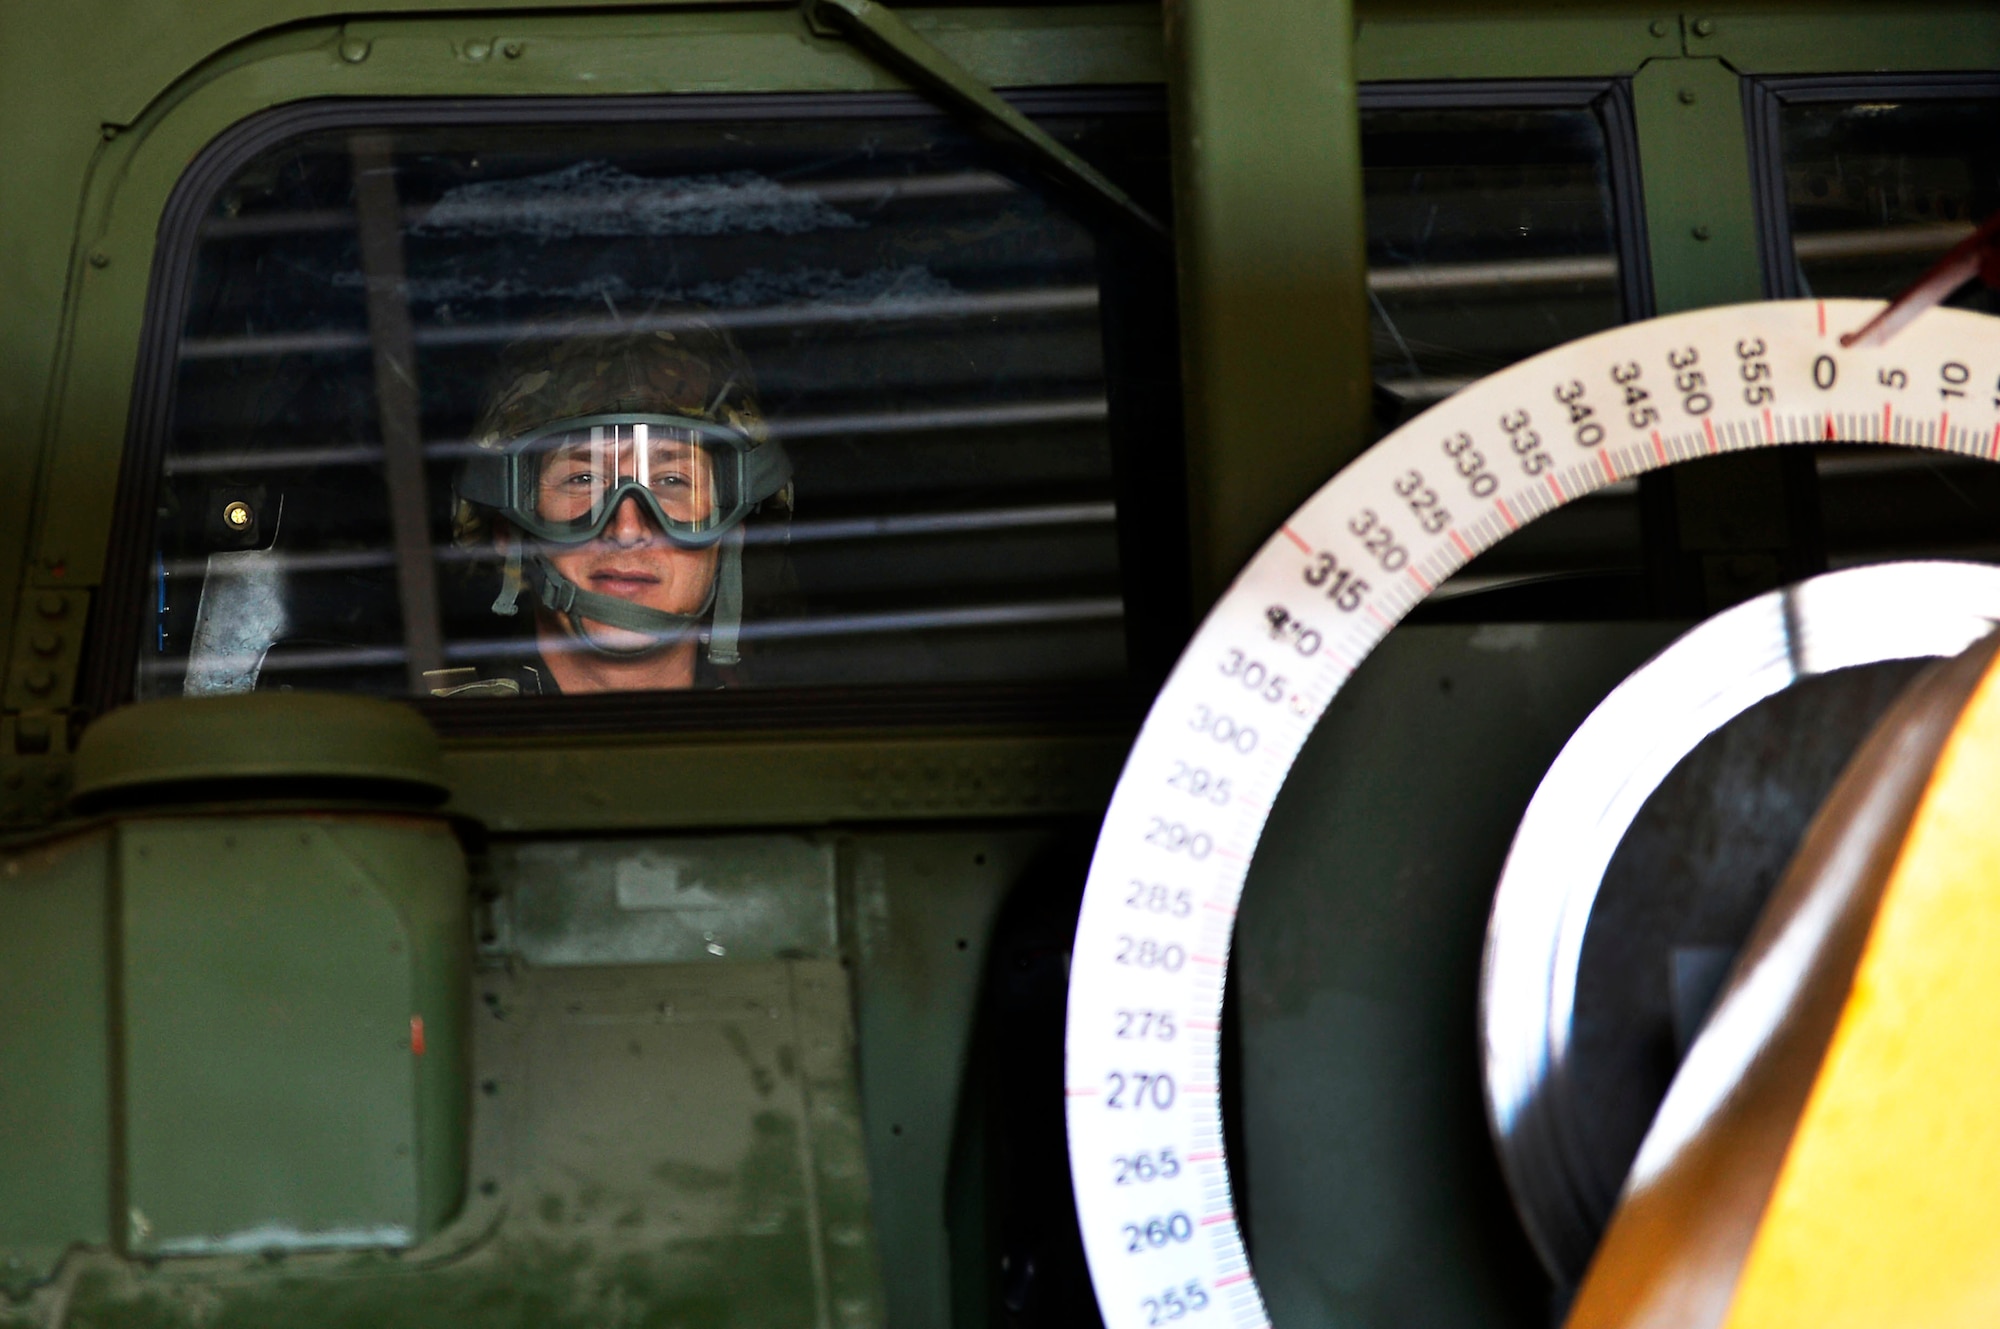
[(751, 1015)]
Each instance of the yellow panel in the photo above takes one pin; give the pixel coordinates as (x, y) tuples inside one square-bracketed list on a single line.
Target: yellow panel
[(1887, 1210)]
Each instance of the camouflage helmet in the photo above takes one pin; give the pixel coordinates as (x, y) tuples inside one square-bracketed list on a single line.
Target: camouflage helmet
[(694, 369)]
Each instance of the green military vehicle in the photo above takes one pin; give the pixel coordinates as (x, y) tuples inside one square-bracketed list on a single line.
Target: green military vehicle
[(577, 580)]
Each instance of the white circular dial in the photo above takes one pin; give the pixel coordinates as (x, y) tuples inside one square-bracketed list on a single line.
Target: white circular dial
[(1152, 944)]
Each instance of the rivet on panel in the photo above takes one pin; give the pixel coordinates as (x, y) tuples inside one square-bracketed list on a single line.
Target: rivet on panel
[(476, 51), (1687, 96), (512, 50), (1704, 27), (44, 642), (1658, 27), (50, 605), (41, 682), (1700, 233), (354, 50), (99, 259)]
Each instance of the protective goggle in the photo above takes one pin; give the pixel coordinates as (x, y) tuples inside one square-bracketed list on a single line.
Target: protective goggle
[(563, 483)]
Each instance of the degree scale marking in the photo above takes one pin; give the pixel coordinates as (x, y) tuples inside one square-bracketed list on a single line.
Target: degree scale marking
[(1152, 944)]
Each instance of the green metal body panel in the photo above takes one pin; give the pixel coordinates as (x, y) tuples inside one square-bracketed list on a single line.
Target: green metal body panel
[(139, 751), (1700, 222), (234, 1032), (559, 784), (292, 1013), (921, 908), (1273, 265), (907, 912), (653, 1145), (55, 1043), (1847, 38), (1488, 41)]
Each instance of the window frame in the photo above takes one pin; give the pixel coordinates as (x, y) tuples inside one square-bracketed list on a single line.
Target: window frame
[(1151, 513), (1610, 98), (1764, 101)]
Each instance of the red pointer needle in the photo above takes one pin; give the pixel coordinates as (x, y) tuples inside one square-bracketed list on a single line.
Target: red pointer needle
[(1978, 255)]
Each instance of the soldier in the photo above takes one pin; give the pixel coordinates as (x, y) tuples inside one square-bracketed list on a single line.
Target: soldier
[(613, 474)]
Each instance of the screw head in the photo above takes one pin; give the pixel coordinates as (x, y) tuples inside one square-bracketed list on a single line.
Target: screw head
[(512, 50), (237, 516), (1704, 27), (354, 50)]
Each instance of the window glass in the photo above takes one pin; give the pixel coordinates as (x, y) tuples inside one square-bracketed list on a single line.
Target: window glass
[(1494, 233), (1877, 190), (1877, 182), (502, 409), (1491, 236)]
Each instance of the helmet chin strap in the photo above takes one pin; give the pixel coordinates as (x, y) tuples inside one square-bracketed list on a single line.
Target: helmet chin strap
[(563, 596), (722, 647)]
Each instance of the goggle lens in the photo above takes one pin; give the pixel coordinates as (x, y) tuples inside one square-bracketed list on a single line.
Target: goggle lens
[(571, 481)]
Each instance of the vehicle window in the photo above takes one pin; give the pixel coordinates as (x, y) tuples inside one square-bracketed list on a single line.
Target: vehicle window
[(1877, 187), (774, 400), (1864, 183), (1503, 219), (1493, 232)]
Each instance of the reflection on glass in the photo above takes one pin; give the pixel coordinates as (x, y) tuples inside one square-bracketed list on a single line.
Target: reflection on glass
[(1490, 238), (517, 409), (1877, 191)]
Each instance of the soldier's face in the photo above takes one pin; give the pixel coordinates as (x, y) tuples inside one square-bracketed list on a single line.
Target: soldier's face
[(632, 558)]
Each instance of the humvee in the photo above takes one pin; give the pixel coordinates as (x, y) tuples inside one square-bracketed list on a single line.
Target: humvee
[(347, 979)]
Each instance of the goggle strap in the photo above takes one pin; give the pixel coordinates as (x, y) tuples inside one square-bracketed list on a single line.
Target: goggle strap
[(766, 470), (511, 581)]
